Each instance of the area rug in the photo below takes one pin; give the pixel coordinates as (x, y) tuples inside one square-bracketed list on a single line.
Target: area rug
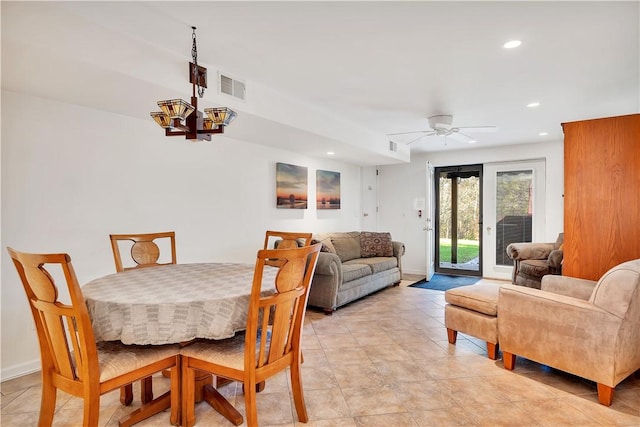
[(442, 282)]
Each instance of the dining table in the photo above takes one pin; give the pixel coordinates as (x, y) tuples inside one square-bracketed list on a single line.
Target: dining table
[(176, 304)]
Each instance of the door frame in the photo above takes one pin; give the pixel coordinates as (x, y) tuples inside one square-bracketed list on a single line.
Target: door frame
[(436, 186), (538, 166)]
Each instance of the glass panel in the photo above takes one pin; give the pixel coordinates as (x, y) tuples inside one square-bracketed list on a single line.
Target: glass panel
[(514, 210), (445, 217), (468, 254), (459, 217)]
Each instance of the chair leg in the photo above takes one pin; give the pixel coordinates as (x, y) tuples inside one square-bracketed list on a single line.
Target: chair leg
[(298, 393), (188, 412), (146, 390), (176, 376), (47, 404), (126, 394), (509, 360), (91, 410), (250, 404), (605, 394), (452, 336)]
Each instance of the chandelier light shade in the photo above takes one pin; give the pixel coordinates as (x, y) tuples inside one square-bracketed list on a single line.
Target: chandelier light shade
[(180, 118), (162, 119), (176, 108), (221, 116)]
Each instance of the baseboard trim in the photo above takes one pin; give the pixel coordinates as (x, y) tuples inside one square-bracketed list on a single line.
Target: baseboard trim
[(20, 370)]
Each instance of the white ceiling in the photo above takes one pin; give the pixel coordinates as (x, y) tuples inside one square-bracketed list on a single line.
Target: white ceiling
[(382, 67)]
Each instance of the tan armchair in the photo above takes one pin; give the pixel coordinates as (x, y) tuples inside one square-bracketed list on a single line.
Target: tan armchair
[(589, 329), (532, 261)]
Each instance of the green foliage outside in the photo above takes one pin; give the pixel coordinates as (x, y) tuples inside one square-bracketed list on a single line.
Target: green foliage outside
[(467, 250)]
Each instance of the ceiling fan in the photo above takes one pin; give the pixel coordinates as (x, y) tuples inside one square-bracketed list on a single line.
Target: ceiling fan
[(440, 125)]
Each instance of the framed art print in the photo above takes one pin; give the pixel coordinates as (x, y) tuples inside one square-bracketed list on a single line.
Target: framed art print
[(327, 190), (291, 186)]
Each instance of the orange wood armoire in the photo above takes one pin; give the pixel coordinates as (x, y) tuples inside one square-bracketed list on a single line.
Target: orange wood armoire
[(601, 194)]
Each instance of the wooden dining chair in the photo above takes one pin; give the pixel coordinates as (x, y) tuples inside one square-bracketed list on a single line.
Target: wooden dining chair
[(271, 342), (72, 361), (144, 251)]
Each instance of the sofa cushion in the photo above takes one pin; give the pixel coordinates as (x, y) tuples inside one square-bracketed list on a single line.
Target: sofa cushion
[(353, 271), (375, 244), (481, 297), (325, 239), (377, 264), (534, 267), (347, 245)]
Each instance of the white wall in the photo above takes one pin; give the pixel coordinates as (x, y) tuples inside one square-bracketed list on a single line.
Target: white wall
[(398, 185), (71, 175)]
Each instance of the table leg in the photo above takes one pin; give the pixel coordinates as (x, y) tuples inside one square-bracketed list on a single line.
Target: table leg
[(222, 405), (203, 379)]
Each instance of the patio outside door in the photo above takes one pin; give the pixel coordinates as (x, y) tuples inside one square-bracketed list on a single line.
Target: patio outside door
[(458, 247)]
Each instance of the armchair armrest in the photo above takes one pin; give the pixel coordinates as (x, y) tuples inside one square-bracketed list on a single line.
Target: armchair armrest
[(568, 286), (555, 259), (520, 251)]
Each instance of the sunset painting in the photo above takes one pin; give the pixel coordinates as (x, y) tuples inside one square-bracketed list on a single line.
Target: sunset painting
[(291, 186), (327, 190)]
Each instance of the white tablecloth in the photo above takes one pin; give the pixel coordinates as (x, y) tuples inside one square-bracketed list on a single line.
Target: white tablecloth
[(173, 303)]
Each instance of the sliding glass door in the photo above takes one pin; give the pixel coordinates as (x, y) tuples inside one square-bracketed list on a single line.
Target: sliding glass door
[(459, 220)]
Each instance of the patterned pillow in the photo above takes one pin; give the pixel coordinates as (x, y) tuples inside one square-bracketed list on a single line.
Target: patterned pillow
[(375, 244)]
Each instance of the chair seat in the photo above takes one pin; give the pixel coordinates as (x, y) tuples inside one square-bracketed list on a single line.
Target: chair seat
[(229, 352), (117, 359), (534, 267)]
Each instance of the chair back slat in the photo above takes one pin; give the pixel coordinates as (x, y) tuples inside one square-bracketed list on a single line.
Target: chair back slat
[(144, 251)]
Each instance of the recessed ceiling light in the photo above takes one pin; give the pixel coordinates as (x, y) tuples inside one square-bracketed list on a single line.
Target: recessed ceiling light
[(473, 141), (330, 153), (533, 104), (543, 133), (511, 44)]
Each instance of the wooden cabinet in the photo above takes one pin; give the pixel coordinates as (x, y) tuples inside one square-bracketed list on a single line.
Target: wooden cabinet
[(601, 194)]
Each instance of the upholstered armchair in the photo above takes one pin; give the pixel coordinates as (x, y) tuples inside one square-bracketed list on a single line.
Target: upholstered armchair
[(532, 261), (589, 329)]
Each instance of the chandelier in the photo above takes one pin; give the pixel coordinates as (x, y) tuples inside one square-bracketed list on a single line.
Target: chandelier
[(179, 118)]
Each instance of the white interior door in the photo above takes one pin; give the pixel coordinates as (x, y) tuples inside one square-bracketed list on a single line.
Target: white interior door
[(513, 211), (369, 193), (429, 217)]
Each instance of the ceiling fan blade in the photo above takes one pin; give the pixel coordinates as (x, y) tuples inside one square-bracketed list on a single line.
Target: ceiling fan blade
[(460, 137), (407, 133), (479, 128), (420, 137)]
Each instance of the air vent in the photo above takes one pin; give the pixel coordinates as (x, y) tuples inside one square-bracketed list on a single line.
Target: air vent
[(232, 87), (393, 146)]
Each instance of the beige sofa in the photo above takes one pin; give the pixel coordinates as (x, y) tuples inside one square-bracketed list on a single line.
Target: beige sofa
[(590, 329), (352, 265)]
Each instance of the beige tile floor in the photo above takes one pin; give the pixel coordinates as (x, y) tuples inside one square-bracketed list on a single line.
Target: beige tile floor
[(384, 361)]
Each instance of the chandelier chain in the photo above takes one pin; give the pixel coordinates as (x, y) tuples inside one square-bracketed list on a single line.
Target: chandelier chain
[(194, 55)]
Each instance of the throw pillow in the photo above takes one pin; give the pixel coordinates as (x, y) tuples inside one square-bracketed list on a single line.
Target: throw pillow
[(327, 246), (347, 245), (375, 244)]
